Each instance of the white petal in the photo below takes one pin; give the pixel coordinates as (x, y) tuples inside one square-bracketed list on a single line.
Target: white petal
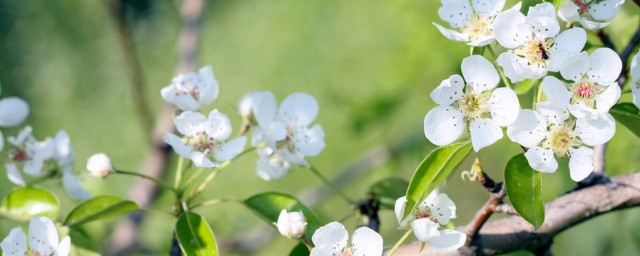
[(452, 34), (63, 148), (185, 102), (13, 111), (73, 186), (605, 66), (178, 145), (23, 135), (424, 229), (294, 158), (202, 160), (230, 149), (596, 131), (63, 248), (556, 92), (366, 242), (449, 91), (607, 98), (218, 125), (448, 240), (575, 67), (542, 18), (456, 13), (635, 89), (552, 113), (265, 110), (484, 132), (443, 209), (580, 163), (510, 30), (635, 69), (298, 108), (581, 110), (592, 25), (518, 69), (15, 243), (209, 86), (187, 120), (272, 168), (479, 73), (488, 7), (482, 41), (504, 106), (567, 44), (569, 12), (14, 174), (333, 234), (605, 10), (1, 141), (399, 211), (443, 125), (43, 236), (529, 129), (33, 167), (541, 159), (309, 142)]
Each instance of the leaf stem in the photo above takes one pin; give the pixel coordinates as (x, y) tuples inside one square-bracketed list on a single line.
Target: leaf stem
[(402, 239), (144, 176), (329, 184)]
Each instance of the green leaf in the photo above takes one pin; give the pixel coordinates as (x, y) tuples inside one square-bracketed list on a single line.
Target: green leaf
[(268, 206), (557, 3), (433, 170), (389, 190), (195, 235), (628, 115), (80, 240), (97, 208), (524, 87), (300, 250), (524, 188), (24, 203)]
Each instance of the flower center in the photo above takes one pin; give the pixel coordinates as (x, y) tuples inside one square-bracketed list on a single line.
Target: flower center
[(478, 28), (536, 52), (586, 91), (188, 88), (582, 7), (19, 155), (202, 141), (561, 139), (472, 105)]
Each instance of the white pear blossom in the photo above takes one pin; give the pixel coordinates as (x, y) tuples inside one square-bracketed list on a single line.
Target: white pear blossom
[(635, 79), (204, 138), (593, 89), (471, 22), (477, 105), (549, 132), (591, 14), (291, 224), (333, 239), (65, 158), (99, 165), (13, 111), (533, 43), (30, 154), (190, 91), (43, 240), (285, 132), (428, 219)]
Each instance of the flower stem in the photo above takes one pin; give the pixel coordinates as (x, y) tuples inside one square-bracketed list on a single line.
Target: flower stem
[(402, 239), (179, 172), (330, 185), (625, 91), (306, 242), (537, 96), (215, 172), (144, 176), (210, 202), (504, 78)]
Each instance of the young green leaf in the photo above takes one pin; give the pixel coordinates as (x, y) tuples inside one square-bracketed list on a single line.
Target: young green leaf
[(524, 188), (433, 170), (628, 115), (299, 250), (24, 203), (268, 206), (100, 207), (195, 235), (389, 190)]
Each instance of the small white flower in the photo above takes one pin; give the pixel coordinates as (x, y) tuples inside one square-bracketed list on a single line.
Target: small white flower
[(592, 15), (635, 79), (204, 139), (31, 154), (13, 111), (190, 91), (43, 240), (291, 224), (471, 22), (594, 88), (99, 165), (476, 105), (533, 43), (433, 213), (65, 158), (333, 239), (549, 132)]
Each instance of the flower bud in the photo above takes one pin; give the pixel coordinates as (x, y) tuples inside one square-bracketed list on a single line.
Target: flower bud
[(99, 165), (250, 102), (292, 224)]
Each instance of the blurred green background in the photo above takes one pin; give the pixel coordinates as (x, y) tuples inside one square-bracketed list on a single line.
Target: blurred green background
[(370, 64)]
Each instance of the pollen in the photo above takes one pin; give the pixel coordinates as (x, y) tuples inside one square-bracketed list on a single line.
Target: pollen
[(478, 28)]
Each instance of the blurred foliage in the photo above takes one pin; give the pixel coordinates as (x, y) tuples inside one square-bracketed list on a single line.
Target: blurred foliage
[(370, 64)]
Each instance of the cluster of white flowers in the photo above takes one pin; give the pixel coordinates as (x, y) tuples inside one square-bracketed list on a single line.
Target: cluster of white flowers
[(282, 134), (591, 14), (575, 116), (43, 240)]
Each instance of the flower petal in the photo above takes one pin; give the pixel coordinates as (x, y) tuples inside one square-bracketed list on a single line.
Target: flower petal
[(448, 240), (443, 125), (366, 242), (43, 236), (529, 129), (556, 92), (265, 110), (13, 111), (504, 106), (443, 209), (218, 125), (201, 159), (272, 167), (14, 174), (541, 159), (63, 248), (575, 67), (517, 68), (333, 234), (567, 44), (488, 7), (456, 13), (449, 91), (510, 30), (294, 158), (542, 18), (309, 142), (209, 86), (452, 34), (605, 10), (187, 120), (482, 41), (569, 12), (596, 131), (552, 113), (401, 203), (298, 108), (605, 66), (178, 145), (73, 186), (424, 229), (484, 132), (607, 98), (580, 163), (581, 110), (230, 149), (15, 243), (479, 73)]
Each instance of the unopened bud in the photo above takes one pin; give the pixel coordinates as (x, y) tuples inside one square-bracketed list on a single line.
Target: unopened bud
[(292, 224), (99, 165)]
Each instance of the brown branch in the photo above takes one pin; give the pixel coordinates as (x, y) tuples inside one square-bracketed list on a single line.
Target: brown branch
[(514, 233), (497, 191), (144, 192)]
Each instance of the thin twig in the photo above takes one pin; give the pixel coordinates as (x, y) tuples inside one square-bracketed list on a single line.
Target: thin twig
[(625, 54), (497, 191), (606, 40)]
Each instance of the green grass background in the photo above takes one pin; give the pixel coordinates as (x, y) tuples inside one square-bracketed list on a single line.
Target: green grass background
[(371, 64)]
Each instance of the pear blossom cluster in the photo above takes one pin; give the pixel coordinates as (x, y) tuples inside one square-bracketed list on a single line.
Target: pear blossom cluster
[(333, 239), (575, 115), (43, 240)]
